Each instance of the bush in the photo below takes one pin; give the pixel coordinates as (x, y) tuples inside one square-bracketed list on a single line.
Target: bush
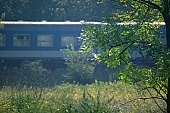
[(30, 73), (79, 67)]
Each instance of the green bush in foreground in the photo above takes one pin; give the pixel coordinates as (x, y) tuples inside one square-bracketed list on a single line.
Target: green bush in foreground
[(79, 67), (100, 97)]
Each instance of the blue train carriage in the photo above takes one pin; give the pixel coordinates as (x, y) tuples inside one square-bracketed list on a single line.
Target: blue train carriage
[(162, 30), (37, 40), (138, 59), (43, 40)]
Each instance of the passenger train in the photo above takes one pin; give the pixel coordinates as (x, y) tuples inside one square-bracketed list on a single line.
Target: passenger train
[(22, 40)]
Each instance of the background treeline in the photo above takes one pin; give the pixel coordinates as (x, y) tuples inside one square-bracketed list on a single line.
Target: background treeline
[(56, 10)]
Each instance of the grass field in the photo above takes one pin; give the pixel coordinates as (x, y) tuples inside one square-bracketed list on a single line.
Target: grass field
[(99, 97)]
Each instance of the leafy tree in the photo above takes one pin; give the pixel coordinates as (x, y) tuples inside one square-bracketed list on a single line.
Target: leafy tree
[(127, 32), (53, 10)]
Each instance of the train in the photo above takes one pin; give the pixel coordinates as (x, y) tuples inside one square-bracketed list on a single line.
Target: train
[(25, 40), (20, 40)]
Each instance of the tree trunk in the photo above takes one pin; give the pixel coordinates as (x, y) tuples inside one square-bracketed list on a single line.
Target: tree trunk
[(168, 45), (167, 21), (168, 96)]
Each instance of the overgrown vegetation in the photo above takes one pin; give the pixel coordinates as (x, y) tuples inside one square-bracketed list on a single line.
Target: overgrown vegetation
[(79, 67), (99, 97), (32, 88), (135, 36), (55, 10)]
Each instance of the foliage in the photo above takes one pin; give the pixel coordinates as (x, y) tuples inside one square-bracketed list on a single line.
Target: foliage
[(34, 73), (99, 97), (122, 34), (79, 68), (30, 73), (54, 10)]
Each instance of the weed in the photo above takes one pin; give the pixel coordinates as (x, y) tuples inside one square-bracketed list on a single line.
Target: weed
[(99, 97)]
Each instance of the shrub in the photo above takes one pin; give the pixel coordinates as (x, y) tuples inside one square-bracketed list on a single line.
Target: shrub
[(79, 68)]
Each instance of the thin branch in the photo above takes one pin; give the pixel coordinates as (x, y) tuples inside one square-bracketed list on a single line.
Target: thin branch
[(165, 86), (143, 57), (145, 16), (117, 45), (160, 94), (149, 4), (153, 87), (127, 47), (123, 43), (146, 48), (156, 101), (160, 97), (162, 89), (163, 1), (135, 11), (125, 50), (142, 98)]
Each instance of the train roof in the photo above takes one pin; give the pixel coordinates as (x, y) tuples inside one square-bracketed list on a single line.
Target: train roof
[(27, 24), (67, 23), (134, 23), (48, 23)]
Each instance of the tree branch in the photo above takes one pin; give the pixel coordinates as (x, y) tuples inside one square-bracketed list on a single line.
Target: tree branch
[(155, 101), (160, 97), (149, 4), (117, 45), (160, 94), (142, 98), (145, 16), (127, 47), (143, 56), (125, 50), (120, 44), (135, 11), (165, 11)]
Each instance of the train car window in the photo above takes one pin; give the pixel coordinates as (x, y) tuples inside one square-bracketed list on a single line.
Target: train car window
[(45, 40), (21, 40), (68, 39), (162, 39), (2, 40)]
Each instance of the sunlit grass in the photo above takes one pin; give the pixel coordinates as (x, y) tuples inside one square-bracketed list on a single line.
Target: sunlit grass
[(100, 97)]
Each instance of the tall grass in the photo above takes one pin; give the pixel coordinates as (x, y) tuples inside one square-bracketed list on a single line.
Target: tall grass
[(33, 89), (99, 97)]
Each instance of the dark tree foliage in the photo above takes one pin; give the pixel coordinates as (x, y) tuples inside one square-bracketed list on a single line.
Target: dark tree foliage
[(56, 10), (115, 44)]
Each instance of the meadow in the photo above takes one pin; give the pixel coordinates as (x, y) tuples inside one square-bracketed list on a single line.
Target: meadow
[(98, 97), (79, 88)]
